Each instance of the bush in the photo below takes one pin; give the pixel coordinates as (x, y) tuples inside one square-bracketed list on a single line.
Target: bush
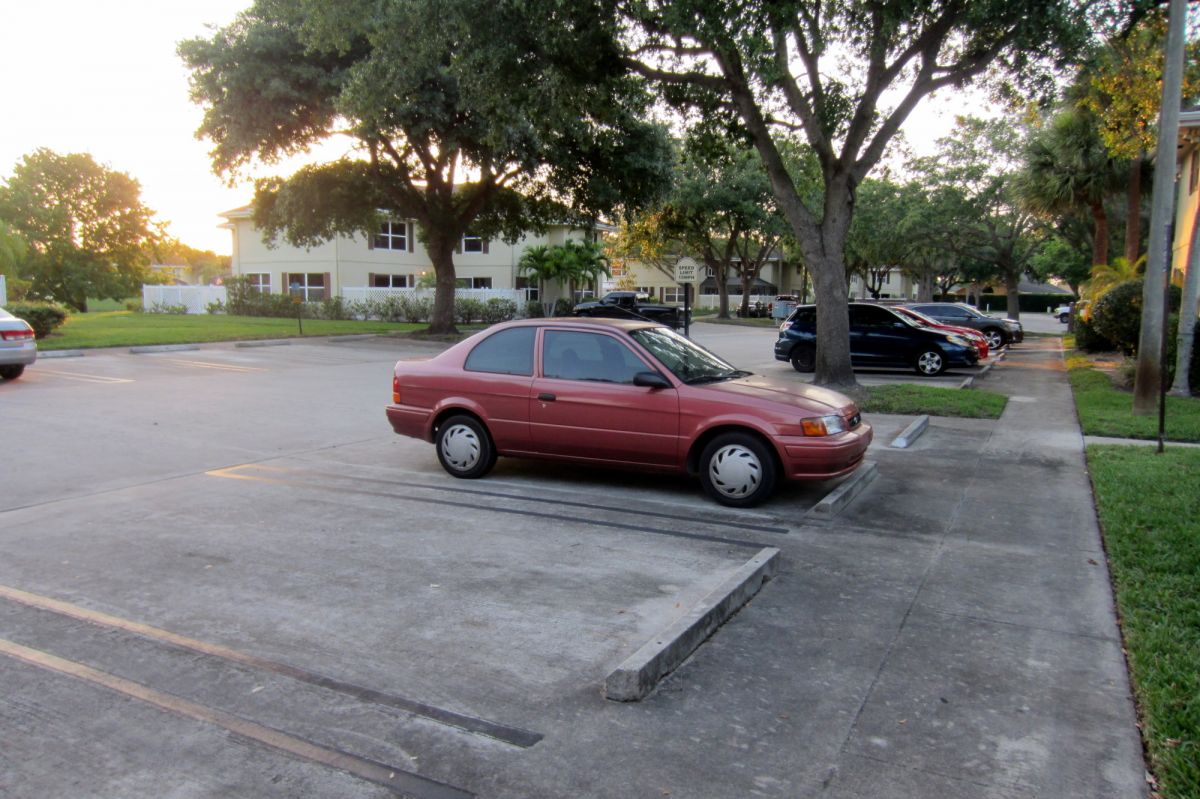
[(43, 317), (564, 307), (416, 310), (335, 309), (533, 310), (467, 309), (499, 310), (133, 306), (215, 307), (167, 308), (1117, 316), (1088, 340)]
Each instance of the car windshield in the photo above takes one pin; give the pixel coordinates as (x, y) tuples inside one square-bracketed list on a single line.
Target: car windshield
[(688, 361)]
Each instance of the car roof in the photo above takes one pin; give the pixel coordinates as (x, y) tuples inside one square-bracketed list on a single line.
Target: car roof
[(593, 322)]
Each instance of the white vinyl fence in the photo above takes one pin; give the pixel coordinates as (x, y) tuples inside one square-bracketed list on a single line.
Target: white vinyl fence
[(194, 298), (3, 291), (363, 293), (197, 298), (735, 300)]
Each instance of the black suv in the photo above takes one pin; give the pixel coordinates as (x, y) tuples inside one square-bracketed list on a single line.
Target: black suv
[(878, 337), (997, 331)]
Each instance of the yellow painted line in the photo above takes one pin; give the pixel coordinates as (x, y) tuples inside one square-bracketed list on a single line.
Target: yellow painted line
[(378, 773), (228, 367), (82, 378), (462, 721)]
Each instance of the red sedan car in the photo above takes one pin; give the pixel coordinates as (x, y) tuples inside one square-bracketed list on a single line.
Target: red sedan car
[(623, 393), (969, 333)]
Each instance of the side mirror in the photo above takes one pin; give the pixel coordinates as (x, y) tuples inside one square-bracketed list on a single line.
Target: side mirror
[(650, 380)]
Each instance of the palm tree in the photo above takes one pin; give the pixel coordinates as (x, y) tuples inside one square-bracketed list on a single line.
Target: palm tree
[(567, 264), (1068, 168)]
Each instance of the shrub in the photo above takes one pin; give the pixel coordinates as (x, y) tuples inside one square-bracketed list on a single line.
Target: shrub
[(364, 309), (215, 307), (335, 308), (417, 310), (498, 310), (43, 317), (167, 308), (134, 306), (1088, 340), (563, 307), (533, 310), (1117, 316), (467, 309)]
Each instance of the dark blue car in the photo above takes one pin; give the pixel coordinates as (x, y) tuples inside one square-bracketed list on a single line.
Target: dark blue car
[(878, 337)]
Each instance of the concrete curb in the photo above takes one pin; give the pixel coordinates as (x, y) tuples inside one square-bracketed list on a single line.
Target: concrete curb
[(911, 433), (968, 382), (269, 343), (355, 337), (163, 348), (641, 672), (837, 499), (60, 354)]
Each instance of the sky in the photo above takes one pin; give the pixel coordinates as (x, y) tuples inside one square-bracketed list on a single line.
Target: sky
[(104, 78)]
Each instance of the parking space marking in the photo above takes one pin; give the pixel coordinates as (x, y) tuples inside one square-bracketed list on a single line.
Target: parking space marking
[(227, 367), (242, 473), (395, 779), (501, 732), (82, 378)]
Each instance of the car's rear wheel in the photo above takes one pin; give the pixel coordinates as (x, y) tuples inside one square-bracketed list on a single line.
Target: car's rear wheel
[(995, 338), (465, 448), (804, 358), (930, 362), (12, 371), (736, 469)]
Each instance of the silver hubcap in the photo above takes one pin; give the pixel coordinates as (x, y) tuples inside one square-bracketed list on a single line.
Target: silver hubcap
[(461, 447), (930, 363), (994, 340), (735, 471)]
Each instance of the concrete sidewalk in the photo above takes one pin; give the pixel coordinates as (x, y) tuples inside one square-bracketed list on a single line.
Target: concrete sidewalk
[(1005, 676)]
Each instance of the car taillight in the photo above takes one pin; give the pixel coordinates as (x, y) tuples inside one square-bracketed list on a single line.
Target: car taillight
[(395, 390), (17, 335)]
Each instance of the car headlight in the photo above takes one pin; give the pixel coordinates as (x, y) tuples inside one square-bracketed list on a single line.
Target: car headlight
[(958, 340), (822, 425)]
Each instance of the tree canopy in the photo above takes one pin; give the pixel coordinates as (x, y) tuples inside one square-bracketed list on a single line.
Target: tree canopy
[(87, 231), (827, 71), (488, 118)]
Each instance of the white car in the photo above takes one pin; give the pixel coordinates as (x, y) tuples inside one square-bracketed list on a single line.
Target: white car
[(1063, 313), (18, 348)]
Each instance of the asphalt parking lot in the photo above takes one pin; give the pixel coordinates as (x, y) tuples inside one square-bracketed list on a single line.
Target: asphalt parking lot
[(222, 575)]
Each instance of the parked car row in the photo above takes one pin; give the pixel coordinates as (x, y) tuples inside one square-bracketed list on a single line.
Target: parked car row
[(927, 337)]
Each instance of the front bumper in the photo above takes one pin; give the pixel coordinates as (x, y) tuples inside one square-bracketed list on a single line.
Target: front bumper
[(806, 458)]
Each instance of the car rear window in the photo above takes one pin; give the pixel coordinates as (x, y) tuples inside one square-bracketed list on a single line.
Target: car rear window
[(508, 352)]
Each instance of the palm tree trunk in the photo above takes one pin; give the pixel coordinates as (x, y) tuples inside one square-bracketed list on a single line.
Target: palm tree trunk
[(1099, 234)]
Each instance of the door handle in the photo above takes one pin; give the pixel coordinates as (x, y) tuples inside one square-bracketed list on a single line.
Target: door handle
[(544, 397)]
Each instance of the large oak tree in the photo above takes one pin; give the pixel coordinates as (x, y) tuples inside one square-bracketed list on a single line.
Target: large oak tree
[(846, 76), (490, 118)]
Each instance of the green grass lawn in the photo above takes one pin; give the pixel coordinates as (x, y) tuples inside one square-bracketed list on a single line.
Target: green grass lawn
[(128, 329), (910, 399), (1149, 507), (1105, 410)]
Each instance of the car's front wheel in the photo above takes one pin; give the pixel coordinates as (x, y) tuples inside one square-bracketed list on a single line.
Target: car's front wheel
[(736, 469), (930, 363), (465, 448), (995, 338), (804, 358), (12, 371)]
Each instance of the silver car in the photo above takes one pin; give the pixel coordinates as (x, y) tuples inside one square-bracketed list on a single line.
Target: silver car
[(17, 346)]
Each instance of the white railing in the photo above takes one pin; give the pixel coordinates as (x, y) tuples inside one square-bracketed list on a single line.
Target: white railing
[(735, 300), (363, 293), (3, 291), (194, 298)]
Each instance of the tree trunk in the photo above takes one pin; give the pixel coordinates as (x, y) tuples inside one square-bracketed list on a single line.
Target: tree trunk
[(1012, 290), (1187, 316), (1133, 214), (925, 287), (1099, 234), (441, 253), (720, 274)]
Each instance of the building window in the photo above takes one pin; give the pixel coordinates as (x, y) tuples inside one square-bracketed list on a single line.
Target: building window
[(258, 282), (309, 287), (392, 236), (473, 283), (393, 281), (672, 294), (530, 287), (472, 243)]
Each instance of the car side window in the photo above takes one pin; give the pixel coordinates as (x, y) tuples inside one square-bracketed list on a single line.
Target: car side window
[(571, 355), (870, 316), (508, 352), (805, 316), (948, 312)]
